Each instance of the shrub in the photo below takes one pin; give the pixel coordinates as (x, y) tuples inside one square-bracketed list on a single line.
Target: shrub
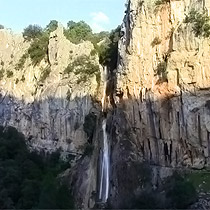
[(52, 26), (1, 26), (156, 41), (93, 52), (108, 50), (32, 31), (200, 21), (89, 148), (45, 74), (84, 67), (180, 191), (39, 49), (16, 81), (161, 71), (1, 73), (2, 63), (21, 62), (76, 32), (23, 78), (90, 125), (161, 2), (9, 74)]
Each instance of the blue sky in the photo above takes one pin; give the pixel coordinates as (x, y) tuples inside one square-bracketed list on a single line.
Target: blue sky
[(100, 14)]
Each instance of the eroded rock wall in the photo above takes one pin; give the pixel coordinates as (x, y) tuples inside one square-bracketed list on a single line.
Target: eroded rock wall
[(49, 112)]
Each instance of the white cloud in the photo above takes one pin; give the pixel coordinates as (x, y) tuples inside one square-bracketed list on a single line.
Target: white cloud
[(98, 21), (100, 17)]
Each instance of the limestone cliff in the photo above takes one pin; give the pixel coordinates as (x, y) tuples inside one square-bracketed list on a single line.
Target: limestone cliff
[(169, 118), (162, 94), (50, 110)]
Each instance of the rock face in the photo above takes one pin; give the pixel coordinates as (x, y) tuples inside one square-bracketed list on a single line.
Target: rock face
[(162, 94), (50, 113), (169, 118)]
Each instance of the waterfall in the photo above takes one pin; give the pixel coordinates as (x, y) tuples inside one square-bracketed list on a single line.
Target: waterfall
[(104, 164)]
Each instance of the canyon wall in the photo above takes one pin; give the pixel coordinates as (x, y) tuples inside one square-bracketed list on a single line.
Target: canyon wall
[(50, 111), (162, 95)]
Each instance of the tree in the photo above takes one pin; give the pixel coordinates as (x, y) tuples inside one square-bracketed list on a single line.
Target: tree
[(52, 26), (1, 26), (76, 32), (32, 31)]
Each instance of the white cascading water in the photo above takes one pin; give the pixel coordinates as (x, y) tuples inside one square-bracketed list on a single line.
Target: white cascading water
[(104, 154), (105, 165)]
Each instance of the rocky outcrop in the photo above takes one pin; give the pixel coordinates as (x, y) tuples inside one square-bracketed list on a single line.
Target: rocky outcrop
[(49, 112)]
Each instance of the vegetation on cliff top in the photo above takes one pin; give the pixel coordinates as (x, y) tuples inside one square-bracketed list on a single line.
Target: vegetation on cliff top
[(29, 180)]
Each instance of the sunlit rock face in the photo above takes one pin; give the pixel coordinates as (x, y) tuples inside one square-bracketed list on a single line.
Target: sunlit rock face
[(162, 93), (51, 112)]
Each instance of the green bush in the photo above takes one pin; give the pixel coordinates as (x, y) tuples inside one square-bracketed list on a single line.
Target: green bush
[(52, 26), (161, 2), (76, 32), (89, 148), (1, 26), (39, 49), (161, 71), (32, 31), (1, 73), (45, 74), (180, 191), (84, 67), (9, 74), (28, 179), (21, 62), (90, 125), (23, 78), (200, 21)]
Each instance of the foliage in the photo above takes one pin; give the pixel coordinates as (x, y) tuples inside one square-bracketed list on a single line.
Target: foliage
[(45, 74), (88, 149), (146, 200), (108, 50), (161, 2), (52, 26), (39, 49), (32, 31), (76, 32), (29, 180), (90, 125), (21, 62), (200, 21), (84, 67), (180, 191), (156, 41), (9, 74), (161, 71), (1, 73), (22, 78), (1, 26), (200, 180)]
